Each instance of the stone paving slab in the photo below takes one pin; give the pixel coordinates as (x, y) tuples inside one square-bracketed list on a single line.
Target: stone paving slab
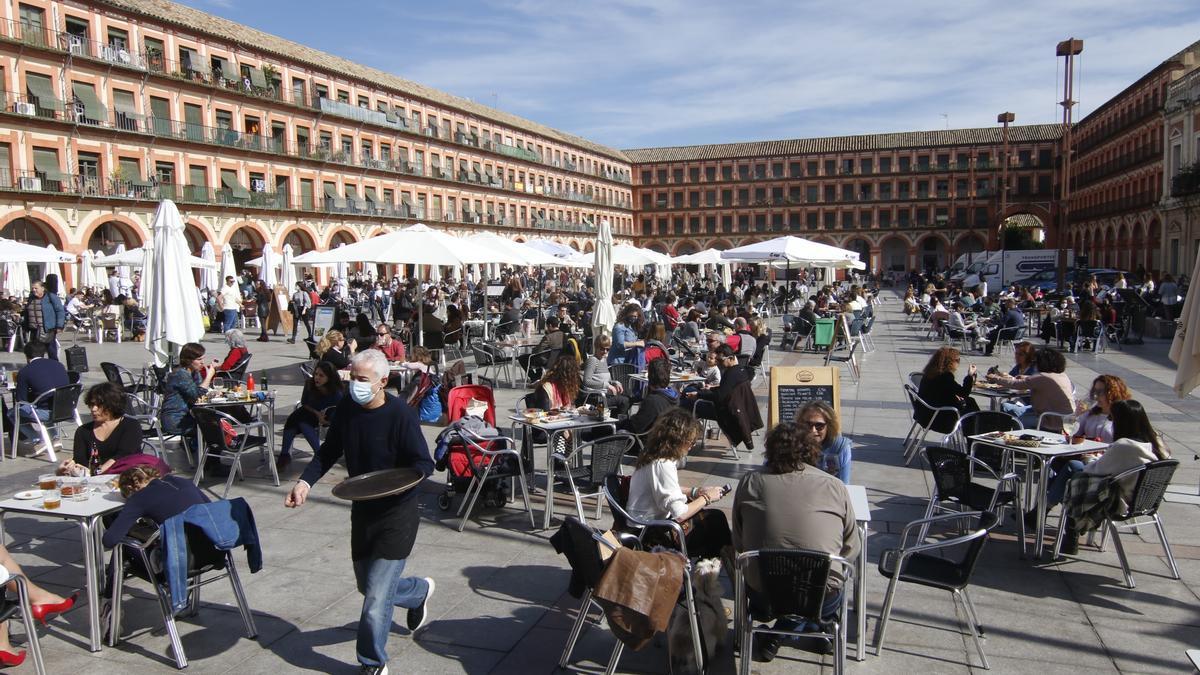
[(501, 605)]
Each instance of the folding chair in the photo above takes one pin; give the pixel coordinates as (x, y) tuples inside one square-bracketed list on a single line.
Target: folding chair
[(484, 456), (605, 458), (213, 439)]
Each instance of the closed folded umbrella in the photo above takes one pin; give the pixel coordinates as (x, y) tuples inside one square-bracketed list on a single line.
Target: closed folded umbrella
[(266, 272), (172, 307), (208, 276), (604, 315), (16, 279), (147, 279), (87, 273), (123, 268), (1185, 348), (228, 269), (287, 270)]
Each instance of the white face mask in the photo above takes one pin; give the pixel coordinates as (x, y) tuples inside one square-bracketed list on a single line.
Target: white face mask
[(361, 392)]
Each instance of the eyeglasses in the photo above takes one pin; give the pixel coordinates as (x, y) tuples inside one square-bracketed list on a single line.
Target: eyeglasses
[(383, 333), (815, 426), (1097, 393)]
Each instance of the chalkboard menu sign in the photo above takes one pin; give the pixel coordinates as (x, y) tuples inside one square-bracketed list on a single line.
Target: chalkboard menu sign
[(792, 387)]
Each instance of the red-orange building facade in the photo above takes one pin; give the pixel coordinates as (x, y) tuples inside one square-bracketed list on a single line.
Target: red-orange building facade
[(903, 201)]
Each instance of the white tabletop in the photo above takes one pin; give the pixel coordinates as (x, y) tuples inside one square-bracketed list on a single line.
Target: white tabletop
[(570, 423), (1194, 655), (97, 504), (1044, 450), (858, 501)]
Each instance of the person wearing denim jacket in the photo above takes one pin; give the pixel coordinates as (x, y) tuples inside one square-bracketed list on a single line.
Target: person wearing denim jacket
[(819, 419)]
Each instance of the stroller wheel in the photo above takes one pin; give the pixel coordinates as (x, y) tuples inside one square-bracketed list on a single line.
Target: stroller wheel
[(443, 501)]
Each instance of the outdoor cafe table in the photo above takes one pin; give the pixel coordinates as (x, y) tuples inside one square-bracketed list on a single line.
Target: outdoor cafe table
[(862, 516), (1038, 458), (994, 394), (553, 430), (86, 514), (676, 378), (257, 406)]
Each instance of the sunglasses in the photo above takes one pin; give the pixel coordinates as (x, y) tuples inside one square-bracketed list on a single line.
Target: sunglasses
[(815, 426), (384, 333)]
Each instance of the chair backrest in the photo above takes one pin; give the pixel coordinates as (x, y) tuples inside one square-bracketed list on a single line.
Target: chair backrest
[(585, 551), (914, 378), (942, 421), (112, 372), (238, 371), (1153, 479), (209, 423), (951, 471), (793, 581), (458, 398), (984, 422), (616, 492), (483, 357), (1052, 421), (621, 373), (975, 539), (139, 407), (63, 404), (607, 453)]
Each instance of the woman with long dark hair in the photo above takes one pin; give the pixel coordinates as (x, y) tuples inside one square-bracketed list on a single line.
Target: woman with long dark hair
[(941, 388), (321, 392)]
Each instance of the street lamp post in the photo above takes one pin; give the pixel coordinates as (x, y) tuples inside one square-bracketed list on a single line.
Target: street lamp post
[(1068, 49), (1004, 118)]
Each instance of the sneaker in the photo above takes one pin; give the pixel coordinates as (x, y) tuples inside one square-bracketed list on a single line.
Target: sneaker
[(766, 649), (373, 670), (418, 615)]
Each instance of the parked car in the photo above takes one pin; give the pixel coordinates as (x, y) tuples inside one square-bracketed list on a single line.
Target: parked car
[(1047, 280)]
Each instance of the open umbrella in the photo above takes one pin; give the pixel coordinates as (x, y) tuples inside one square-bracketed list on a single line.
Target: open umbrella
[(228, 268), (123, 268), (15, 251), (134, 257), (790, 249), (287, 270), (56, 269), (266, 273), (1185, 348), (208, 276), (172, 309), (603, 313), (512, 252)]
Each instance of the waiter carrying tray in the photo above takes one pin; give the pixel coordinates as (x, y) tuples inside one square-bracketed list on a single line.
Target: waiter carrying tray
[(376, 431)]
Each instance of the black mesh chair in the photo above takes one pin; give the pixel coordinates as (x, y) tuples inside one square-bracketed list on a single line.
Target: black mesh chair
[(125, 379), (849, 358), (1150, 483), (793, 583), (986, 422), (214, 442), (489, 358), (623, 373), (942, 420), (64, 409), (1090, 332), (205, 564), (946, 563), (953, 483), (491, 459), (603, 457), (238, 371)]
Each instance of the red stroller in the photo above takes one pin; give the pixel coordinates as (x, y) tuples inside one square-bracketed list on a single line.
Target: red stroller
[(455, 459)]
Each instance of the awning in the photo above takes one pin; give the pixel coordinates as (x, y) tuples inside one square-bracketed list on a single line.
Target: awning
[(331, 191), (41, 89), (46, 162), (91, 105), (258, 78), (371, 196), (232, 184), (351, 193), (123, 102), (190, 59), (223, 64)]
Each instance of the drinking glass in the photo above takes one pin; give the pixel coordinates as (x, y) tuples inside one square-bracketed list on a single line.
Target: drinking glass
[(1070, 425), (51, 499)]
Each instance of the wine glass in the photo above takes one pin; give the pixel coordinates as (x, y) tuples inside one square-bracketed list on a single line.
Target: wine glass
[(1070, 425)]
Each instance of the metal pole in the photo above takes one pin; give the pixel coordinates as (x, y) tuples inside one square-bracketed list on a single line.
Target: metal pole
[(1068, 49), (1004, 118)]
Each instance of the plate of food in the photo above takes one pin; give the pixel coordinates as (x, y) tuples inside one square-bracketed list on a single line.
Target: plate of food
[(26, 495)]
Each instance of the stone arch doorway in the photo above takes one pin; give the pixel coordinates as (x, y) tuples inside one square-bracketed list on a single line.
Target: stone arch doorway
[(931, 253), (863, 248), (300, 241), (247, 244), (893, 255), (110, 234)]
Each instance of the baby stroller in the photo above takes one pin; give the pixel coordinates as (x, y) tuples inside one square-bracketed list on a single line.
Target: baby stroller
[(451, 453)]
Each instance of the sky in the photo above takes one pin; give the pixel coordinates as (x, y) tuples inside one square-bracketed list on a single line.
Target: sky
[(653, 73)]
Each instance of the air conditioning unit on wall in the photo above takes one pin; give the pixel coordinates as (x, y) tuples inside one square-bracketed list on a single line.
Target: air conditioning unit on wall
[(25, 109)]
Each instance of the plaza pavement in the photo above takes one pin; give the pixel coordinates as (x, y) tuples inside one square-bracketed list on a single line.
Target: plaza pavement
[(501, 605)]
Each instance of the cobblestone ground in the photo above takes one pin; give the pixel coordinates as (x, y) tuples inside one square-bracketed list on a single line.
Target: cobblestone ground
[(501, 605)]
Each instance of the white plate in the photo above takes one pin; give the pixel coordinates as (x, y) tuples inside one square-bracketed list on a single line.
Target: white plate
[(1053, 441), (28, 494)]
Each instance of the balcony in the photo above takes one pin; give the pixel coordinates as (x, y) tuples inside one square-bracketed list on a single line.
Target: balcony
[(1187, 182), (1105, 170)]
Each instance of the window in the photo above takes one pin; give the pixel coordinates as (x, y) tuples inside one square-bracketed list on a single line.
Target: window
[(88, 167), (77, 28), (33, 24), (1045, 158), (847, 166), (830, 220), (811, 194), (848, 220), (677, 176), (905, 163), (646, 176), (885, 165), (943, 161), (1043, 184), (727, 173), (694, 174), (777, 170), (661, 177), (710, 173), (795, 169), (830, 193), (885, 219), (811, 220), (126, 110), (847, 193), (830, 167), (364, 102), (118, 39), (866, 165)]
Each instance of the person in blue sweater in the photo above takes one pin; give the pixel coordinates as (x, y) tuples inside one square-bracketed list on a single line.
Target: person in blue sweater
[(44, 316), (821, 422), (39, 376), (374, 430)]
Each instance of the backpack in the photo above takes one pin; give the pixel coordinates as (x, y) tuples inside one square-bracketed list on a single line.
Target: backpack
[(430, 409)]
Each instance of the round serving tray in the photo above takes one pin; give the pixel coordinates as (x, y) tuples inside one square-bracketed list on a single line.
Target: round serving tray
[(378, 484)]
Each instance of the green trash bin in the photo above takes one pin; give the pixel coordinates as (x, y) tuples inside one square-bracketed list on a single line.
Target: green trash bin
[(823, 332)]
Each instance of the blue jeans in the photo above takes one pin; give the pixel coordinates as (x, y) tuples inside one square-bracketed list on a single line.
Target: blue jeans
[(289, 436), (829, 611), (229, 319), (1058, 484), (384, 587), (28, 429)]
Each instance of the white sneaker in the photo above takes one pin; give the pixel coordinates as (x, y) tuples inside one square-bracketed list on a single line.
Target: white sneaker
[(417, 616)]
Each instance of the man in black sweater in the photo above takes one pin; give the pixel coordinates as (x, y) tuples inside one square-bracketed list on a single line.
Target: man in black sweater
[(373, 431), (39, 376)]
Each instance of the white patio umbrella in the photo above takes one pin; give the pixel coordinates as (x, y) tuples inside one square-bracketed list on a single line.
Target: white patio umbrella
[(552, 247), (134, 257), (16, 279), (172, 309), (266, 273), (726, 275), (709, 256), (287, 270), (15, 251), (146, 281), (1185, 348), (632, 256), (228, 269), (58, 269), (208, 276), (790, 249), (512, 252), (604, 315), (123, 268), (87, 273)]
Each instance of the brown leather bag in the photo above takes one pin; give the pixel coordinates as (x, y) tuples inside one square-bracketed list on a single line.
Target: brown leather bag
[(638, 593)]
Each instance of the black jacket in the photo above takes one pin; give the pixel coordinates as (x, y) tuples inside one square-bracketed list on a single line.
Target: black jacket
[(943, 391), (653, 405)]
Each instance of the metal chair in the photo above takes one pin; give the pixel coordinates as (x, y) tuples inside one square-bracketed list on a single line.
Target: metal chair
[(1009, 335), (203, 560), (64, 408), (623, 521), (488, 358), (915, 563), (939, 417), (484, 458), (952, 482), (984, 422), (1090, 331), (1053, 421), (832, 357), (623, 373), (867, 326), (605, 458), (794, 582), (213, 438), (238, 371), (146, 414), (1150, 482), (10, 608)]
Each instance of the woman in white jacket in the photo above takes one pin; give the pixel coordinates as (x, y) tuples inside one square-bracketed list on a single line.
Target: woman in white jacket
[(1136, 443)]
